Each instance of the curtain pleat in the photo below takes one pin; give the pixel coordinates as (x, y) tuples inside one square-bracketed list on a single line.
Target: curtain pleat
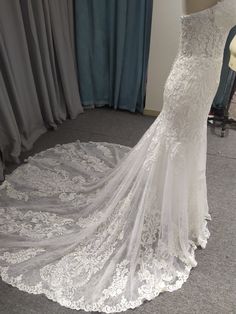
[(112, 40), (38, 79)]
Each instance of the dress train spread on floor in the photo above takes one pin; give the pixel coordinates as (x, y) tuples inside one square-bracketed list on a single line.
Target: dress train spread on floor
[(103, 227)]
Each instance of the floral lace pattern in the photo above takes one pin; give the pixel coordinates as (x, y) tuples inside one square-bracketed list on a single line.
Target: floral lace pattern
[(102, 227), (32, 224)]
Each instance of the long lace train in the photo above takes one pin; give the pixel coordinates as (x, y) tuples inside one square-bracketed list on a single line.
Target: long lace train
[(88, 215)]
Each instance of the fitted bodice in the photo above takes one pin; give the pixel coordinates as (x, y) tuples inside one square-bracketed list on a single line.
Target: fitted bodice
[(194, 78), (203, 33)]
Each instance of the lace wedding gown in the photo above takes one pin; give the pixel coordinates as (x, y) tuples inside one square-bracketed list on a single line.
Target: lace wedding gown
[(102, 227)]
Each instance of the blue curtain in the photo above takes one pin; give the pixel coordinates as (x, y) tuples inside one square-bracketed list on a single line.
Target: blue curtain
[(112, 42), (227, 79)]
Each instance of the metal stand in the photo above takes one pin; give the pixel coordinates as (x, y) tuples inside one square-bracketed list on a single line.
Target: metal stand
[(222, 120)]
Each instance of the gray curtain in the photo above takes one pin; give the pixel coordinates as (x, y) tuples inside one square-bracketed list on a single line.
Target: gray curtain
[(38, 78), (112, 40)]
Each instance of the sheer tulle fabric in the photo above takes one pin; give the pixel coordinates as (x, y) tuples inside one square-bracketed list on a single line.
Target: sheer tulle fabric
[(102, 227)]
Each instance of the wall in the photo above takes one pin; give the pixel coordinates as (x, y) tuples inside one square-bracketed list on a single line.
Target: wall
[(163, 49), (164, 45)]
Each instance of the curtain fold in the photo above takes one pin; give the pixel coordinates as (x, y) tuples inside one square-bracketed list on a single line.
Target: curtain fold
[(227, 79), (112, 41), (38, 77)]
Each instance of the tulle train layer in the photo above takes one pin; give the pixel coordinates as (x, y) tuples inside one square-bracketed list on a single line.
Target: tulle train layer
[(102, 227)]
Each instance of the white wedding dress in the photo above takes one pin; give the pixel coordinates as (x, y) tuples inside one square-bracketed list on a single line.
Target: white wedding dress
[(102, 227)]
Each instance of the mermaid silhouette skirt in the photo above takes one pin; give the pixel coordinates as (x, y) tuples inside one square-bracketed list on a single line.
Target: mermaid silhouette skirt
[(102, 227)]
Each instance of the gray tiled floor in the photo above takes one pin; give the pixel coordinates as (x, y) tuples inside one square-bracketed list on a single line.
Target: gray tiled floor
[(211, 287)]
